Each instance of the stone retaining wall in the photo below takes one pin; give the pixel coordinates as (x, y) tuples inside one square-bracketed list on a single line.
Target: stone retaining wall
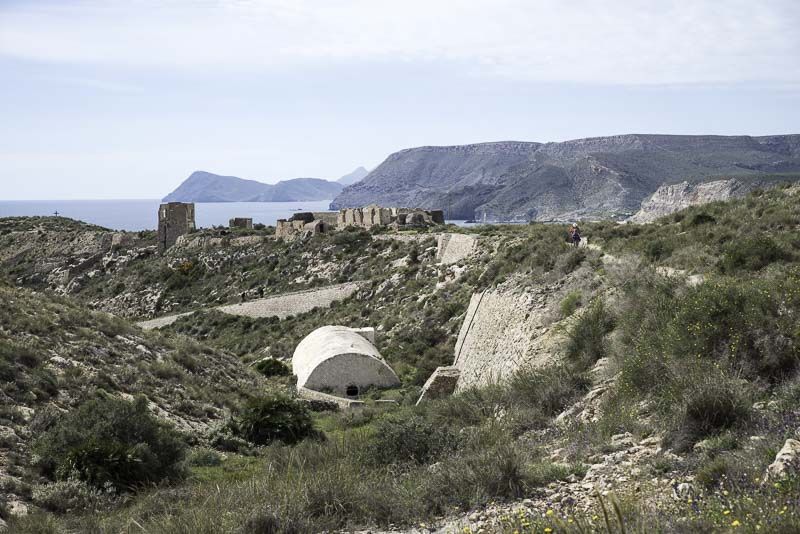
[(453, 248), (341, 402), (505, 330), (281, 306)]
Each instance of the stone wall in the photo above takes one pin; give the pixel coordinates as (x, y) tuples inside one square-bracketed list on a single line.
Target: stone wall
[(174, 220), (281, 306), (442, 383), (505, 330), (370, 216), (342, 402), (241, 222), (200, 241), (303, 224), (330, 218), (452, 248)]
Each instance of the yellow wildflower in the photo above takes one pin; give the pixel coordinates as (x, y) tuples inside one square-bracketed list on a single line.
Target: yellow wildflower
[(549, 512), (726, 512), (548, 529), (735, 523)]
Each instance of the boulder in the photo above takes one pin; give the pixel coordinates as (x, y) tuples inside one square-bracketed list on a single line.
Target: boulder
[(787, 462)]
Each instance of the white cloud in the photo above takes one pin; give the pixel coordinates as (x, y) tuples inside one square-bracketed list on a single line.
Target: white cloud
[(607, 42)]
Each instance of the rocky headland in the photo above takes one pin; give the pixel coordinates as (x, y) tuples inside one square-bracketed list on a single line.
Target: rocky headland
[(595, 178)]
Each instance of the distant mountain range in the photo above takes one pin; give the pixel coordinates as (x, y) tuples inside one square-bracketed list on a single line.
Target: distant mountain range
[(355, 176), (203, 186), (584, 178)]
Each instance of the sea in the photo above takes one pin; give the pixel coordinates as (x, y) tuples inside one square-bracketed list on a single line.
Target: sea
[(135, 215)]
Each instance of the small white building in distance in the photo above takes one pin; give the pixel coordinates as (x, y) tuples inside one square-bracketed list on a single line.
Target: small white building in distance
[(341, 361)]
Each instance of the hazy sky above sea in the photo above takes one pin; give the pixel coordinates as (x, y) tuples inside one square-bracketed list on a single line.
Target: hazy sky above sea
[(125, 98)]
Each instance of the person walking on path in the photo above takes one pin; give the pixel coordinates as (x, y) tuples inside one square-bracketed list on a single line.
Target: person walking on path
[(575, 234)]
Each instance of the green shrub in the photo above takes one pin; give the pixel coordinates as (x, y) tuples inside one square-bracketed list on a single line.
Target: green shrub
[(69, 495), (751, 254), (478, 476), (401, 439), (714, 405), (203, 457), (696, 219), (274, 418), (571, 260), (267, 521), (549, 389), (711, 473), (113, 441), (570, 303), (657, 249), (272, 367), (351, 238), (740, 321), (586, 341)]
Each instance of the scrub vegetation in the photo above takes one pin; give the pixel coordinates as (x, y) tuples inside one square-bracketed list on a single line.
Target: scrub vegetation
[(687, 346)]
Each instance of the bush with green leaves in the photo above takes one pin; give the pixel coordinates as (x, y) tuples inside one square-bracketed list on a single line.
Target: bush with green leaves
[(713, 404), (272, 367), (549, 389), (570, 303), (657, 249), (110, 440), (586, 340), (70, 495), (751, 254), (701, 355), (401, 438), (203, 457), (275, 417)]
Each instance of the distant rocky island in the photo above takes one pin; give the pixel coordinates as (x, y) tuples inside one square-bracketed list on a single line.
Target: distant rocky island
[(584, 178), (202, 186)]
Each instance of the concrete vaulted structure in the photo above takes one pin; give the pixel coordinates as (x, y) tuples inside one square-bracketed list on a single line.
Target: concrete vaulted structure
[(341, 361)]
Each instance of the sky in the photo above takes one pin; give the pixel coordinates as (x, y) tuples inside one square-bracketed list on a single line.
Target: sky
[(125, 98)]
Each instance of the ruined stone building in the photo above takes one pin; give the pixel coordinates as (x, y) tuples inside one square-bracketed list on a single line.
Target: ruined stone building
[(306, 223), (174, 220), (241, 222), (341, 361), (370, 216)]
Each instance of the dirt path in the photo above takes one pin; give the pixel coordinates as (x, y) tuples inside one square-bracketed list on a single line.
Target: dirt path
[(280, 306)]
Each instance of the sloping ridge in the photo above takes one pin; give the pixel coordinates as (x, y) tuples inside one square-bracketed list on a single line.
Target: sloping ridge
[(203, 186), (593, 177)]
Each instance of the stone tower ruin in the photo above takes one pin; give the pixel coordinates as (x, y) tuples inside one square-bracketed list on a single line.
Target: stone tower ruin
[(174, 220)]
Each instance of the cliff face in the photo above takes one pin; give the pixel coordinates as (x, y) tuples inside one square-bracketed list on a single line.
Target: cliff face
[(584, 178), (671, 198)]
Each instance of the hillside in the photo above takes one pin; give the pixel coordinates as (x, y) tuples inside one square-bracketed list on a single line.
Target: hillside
[(585, 178), (646, 380), (203, 186), (356, 176), (55, 355)]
